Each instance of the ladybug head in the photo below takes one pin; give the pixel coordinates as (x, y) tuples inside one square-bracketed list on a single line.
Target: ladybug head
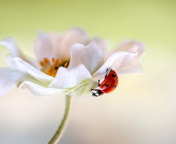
[(96, 92)]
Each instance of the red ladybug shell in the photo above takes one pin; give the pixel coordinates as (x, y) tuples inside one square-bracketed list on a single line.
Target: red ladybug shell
[(110, 82)]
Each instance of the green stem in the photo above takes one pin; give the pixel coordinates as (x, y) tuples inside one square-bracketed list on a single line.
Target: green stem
[(55, 139)]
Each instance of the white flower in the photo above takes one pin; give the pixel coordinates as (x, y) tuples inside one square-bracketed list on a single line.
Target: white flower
[(70, 63)]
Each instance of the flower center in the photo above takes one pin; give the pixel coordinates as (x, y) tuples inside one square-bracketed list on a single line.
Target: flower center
[(51, 67)]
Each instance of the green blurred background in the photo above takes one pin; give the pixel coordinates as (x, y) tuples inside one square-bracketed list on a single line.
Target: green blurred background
[(140, 111)]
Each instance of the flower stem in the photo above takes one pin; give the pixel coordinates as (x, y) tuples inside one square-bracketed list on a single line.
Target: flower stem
[(55, 139)]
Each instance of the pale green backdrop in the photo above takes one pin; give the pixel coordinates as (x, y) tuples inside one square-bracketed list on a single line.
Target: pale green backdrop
[(141, 111)]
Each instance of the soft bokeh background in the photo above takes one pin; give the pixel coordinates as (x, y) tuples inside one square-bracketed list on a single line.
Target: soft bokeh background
[(143, 108)]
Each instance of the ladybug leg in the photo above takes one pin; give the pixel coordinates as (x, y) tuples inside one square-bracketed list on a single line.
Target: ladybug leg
[(98, 82), (106, 73)]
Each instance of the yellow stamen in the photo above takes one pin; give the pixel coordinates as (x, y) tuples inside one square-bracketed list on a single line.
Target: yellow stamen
[(65, 64), (42, 63), (51, 67), (46, 60), (57, 63), (53, 60)]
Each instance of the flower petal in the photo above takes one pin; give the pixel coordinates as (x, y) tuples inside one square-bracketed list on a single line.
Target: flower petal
[(72, 36), (38, 89), (11, 62), (27, 68), (12, 47), (52, 45), (132, 65), (67, 78), (103, 45), (15, 52), (82, 89), (9, 78), (131, 46), (29, 60), (90, 56), (115, 61), (46, 46)]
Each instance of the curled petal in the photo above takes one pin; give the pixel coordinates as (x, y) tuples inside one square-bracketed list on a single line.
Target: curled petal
[(72, 36), (38, 89), (115, 61), (131, 46), (46, 46), (15, 52), (27, 68), (67, 78), (90, 56), (132, 65), (12, 47), (10, 77)]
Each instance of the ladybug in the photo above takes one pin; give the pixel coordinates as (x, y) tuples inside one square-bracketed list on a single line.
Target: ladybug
[(108, 85)]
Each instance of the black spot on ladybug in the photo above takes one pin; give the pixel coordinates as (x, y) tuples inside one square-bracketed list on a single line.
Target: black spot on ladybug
[(106, 85), (113, 75), (114, 87)]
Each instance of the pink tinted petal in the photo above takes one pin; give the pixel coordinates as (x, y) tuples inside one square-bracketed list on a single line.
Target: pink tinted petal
[(103, 45), (72, 36), (115, 61), (131, 46), (90, 56), (132, 65), (46, 46)]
